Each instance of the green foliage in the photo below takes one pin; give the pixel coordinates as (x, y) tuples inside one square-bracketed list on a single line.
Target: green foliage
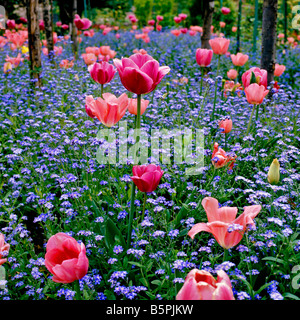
[(143, 10)]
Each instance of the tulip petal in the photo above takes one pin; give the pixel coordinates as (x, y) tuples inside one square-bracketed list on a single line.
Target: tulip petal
[(223, 292), (136, 81), (198, 227)]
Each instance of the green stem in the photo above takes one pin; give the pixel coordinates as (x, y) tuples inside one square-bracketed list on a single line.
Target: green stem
[(257, 109), (101, 92), (77, 290), (201, 81), (249, 124), (144, 206), (225, 141), (216, 87), (225, 256)]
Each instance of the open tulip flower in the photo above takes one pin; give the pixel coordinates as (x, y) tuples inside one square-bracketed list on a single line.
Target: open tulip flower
[(220, 158), (65, 258), (82, 24), (239, 59), (219, 45), (261, 77), (108, 110), (140, 73), (146, 177), (201, 285), (255, 93), (223, 224)]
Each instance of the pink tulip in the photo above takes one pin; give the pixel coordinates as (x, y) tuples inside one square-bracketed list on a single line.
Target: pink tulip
[(239, 59), (66, 64), (222, 24), (132, 106), (17, 38), (89, 58), (14, 61), (58, 23), (219, 45), (140, 73), (261, 77), (203, 57), (82, 24), (65, 258), (234, 29), (11, 24), (177, 19), (108, 110), (159, 18), (146, 177), (223, 224), (279, 69), (226, 125), (151, 22), (4, 248), (176, 32), (219, 158), (102, 72), (64, 26), (225, 10), (42, 25), (232, 74), (255, 93), (201, 285), (182, 16)]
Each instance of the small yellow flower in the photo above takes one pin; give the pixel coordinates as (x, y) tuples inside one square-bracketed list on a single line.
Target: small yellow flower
[(24, 49), (273, 174)]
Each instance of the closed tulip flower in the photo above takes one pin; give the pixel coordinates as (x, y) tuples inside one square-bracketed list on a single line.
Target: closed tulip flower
[(140, 73), (255, 93), (203, 57), (274, 172), (223, 224), (146, 177), (219, 45), (239, 59), (232, 74), (225, 10), (4, 248), (65, 258), (201, 285), (132, 106), (102, 72), (279, 69), (226, 125)]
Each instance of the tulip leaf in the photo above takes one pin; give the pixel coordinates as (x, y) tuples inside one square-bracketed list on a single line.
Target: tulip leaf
[(253, 78), (113, 235), (2, 277)]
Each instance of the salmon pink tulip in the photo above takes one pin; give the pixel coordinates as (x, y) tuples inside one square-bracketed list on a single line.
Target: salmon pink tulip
[(132, 106), (203, 57), (232, 74), (102, 72), (201, 285), (255, 93), (239, 59), (219, 45), (223, 224), (140, 73), (261, 77), (146, 177), (226, 125), (220, 158), (279, 69), (65, 258)]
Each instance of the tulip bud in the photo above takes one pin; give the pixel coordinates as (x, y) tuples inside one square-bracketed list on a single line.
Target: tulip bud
[(273, 174)]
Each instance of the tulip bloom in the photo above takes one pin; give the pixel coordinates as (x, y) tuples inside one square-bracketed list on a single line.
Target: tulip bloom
[(108, 110), (177, 19), (239, 59), (222, 24), (223, 224), (140, 73), (274, 172), (82, 24), (203, 57), (89, 58), (232, 74), (226, 125), (11, 24), (219, 45), (102, 72), (66, 64), (146, 177), (176, 32), (132, 106), (4, 248), (201, 285), (255, 93), (220, 158), (225, 10), (65, 258), (261, 77), (14, 61), (279, 69)]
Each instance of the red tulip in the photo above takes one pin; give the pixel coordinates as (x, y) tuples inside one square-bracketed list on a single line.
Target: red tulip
[(223, 224), (261, 77), (201, 285), (239, 59), (140, 73), (255, 93), (176, 32), (132, 106), (146, 177), (177, 19), (82, 24), (11, 24), (65, 258), (4, 247), (102, 72), (219, 45), (225, 10), (203, 57), (220, 158)]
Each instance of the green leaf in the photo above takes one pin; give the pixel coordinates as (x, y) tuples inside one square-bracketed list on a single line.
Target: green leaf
[(253, 78), (277, 260), (156, 282), (113, 235), (290, 295), (2, 276)]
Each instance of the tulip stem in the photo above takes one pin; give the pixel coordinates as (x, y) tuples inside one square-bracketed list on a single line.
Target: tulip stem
[(256, 116), (144, 206), (101, 92), (216, 87), (201, 81), (225, 137), (77, 290), (249, 124), (225, 256), (131, 214)]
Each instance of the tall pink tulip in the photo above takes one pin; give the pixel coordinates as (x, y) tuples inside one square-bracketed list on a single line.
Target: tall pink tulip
[(102, 72), (82, 24), (223, 224), (65, 258), (261, 77), (201, 285), (255, 93), (203, 57), (140, 73), (239, 59), (146, 177), (4, 247), (219, 45)]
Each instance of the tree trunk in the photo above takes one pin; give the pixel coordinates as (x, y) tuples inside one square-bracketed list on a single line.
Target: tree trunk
[(74, 30), (34, 41), (48, 20), (208, 10), (268, 45), (238, 35)]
